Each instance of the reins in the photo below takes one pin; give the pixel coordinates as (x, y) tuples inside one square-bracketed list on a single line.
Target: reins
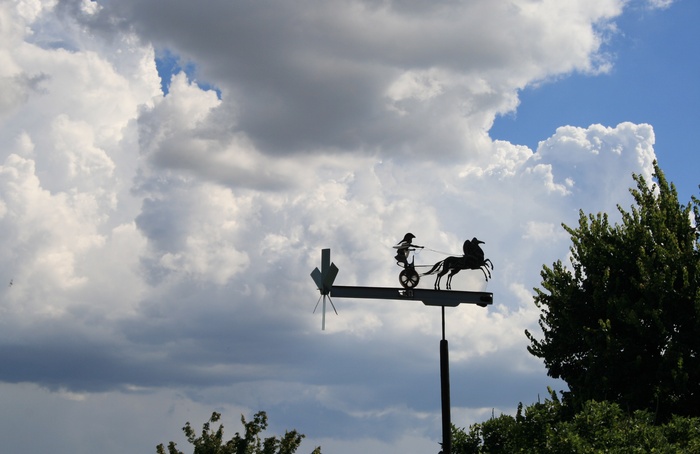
[(441, 252), (416, 251)]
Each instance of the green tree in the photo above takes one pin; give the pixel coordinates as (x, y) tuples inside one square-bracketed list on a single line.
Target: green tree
[(545, 428), (623, 323), (212, 442)]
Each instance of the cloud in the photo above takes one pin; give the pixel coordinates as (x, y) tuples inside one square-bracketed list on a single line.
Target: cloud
[(660, 4), (334, 77), (160, 245), (624, 148)]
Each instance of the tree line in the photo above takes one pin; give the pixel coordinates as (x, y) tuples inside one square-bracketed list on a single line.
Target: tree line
[(621, 326)]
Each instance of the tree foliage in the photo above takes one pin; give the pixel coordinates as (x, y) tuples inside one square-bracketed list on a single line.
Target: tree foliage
[(212, 442), (547, 428), (623, 324)]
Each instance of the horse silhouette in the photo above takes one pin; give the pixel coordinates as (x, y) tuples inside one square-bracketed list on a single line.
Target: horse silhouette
[(454, 265)]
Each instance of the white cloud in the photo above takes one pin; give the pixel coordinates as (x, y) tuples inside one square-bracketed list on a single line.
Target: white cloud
[(541, 231), (46, 231), (660, 4), (616, 152)]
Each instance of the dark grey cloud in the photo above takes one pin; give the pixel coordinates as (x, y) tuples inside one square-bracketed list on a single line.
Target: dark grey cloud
[(315, 75)]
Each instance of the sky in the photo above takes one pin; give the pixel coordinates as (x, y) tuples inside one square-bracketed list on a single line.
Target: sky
[(169, 173)]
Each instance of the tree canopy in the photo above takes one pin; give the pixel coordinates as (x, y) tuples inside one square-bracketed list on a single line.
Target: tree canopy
[(547, 428), (212, 442), (622, 324)]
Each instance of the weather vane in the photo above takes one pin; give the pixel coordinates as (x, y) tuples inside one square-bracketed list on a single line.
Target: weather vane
[(472, 259)]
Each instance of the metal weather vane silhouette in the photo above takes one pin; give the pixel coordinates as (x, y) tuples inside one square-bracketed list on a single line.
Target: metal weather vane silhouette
[(324, 281), (473, 259)]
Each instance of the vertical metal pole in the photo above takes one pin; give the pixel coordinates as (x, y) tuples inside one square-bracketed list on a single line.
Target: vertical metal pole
[(325, 267), (443, 322), (445, 391)]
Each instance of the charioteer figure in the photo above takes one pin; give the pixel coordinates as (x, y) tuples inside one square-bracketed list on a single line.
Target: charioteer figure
[(408, 277), (403, 248)]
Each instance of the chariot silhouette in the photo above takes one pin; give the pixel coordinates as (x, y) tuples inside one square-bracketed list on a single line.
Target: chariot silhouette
[(473, 259)]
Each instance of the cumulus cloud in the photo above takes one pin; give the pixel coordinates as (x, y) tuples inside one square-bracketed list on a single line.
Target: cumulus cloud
[(160, 245), (343, 75)]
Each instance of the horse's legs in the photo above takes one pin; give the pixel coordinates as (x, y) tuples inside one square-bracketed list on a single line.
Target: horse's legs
[(484, 271), (449, 278), (437, 282), (445, 270)]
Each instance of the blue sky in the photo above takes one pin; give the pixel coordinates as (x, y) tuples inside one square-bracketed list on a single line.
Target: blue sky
[(169, 176), (654, 80), (168, 64)]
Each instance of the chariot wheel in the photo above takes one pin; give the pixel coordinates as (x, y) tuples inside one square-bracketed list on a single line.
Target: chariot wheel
[(409, 278)]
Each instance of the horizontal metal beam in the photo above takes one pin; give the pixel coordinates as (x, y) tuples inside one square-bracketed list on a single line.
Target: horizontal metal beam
[(450, 298)]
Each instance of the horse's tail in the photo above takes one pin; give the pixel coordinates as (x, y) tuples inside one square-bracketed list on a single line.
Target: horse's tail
[(435, 268)]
